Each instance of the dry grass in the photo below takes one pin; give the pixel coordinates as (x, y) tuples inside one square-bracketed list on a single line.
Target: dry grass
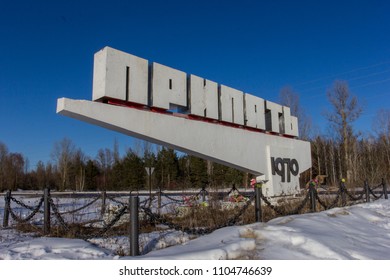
[(210, 217)]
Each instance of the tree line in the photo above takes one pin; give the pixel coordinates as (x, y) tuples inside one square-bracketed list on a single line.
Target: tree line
[(72, 170), (344, 153)]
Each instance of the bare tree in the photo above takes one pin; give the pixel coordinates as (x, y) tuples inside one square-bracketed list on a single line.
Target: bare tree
[(11, 168), (17, 168), (332, 159), (289, 98), (382, 128), (79, 163), (63, 153), (3, 159), (381, 124), (41, 175), (346, 110), (105, 160)]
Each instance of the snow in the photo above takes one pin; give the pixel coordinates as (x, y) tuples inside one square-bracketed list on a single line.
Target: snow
[(356, 232)]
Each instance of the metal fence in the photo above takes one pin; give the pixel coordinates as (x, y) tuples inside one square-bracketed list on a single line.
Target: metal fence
[(129, 209)]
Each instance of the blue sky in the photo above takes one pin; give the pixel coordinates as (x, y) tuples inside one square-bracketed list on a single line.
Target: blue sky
[(258, 47)]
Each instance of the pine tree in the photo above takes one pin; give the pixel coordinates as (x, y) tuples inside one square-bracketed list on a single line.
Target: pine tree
[(167, 168), (198, 172), (91, 175)]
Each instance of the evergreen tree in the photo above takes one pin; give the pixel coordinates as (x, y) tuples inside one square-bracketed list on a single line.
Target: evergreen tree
[(133, 171), (198, 172), (91, 176), (224, 176), (167, 168)]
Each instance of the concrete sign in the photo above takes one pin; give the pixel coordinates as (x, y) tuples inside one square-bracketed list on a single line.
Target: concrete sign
[(194, 115)]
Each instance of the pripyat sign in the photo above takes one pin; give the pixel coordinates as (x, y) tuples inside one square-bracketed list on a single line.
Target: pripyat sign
[(129, 78), (194, 115)]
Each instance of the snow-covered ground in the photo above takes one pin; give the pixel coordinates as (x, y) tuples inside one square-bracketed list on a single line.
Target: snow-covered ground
[(356, 232)]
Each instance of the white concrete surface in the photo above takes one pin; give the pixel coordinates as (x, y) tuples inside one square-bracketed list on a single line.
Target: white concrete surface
[(203, 95), (231, 105), (255, 112), (129, 78), (239, 148), (273, 113), (169, 87), (121, 76)]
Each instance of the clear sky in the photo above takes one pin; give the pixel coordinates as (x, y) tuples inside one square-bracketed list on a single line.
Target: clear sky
[(47, 47)]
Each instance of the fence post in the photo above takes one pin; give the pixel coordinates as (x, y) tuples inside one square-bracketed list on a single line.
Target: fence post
[(367, 189), (7, 207), (134, 225), (46, 216), (384, 188), (313, 198), (104, 197), (258, 212), (203, 194)]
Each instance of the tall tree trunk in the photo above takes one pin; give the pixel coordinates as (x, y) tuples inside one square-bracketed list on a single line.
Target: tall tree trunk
[(332, 163)]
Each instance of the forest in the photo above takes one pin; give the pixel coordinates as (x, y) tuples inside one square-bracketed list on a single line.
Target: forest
[(344, 153)]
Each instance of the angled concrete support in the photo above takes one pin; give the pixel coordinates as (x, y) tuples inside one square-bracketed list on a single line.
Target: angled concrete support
[(279, 159)]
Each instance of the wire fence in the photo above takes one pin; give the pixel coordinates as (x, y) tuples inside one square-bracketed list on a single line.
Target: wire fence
[(104, 213)]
